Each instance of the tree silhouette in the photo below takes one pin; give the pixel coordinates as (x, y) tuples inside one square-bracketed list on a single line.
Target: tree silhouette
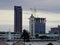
[(37, 36), (25, 36), (49, 44)]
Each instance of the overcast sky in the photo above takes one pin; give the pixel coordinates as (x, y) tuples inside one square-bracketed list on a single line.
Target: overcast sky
[(49, 9), (44, 5)]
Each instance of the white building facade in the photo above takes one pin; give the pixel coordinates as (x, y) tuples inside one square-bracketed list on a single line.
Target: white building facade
[(31, 25)]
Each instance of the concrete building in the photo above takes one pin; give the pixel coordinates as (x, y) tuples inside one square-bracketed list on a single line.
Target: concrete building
[(17, 19), (36, 25), (55, 30)]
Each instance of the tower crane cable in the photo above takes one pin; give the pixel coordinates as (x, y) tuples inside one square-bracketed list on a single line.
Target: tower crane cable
[(33, 10)]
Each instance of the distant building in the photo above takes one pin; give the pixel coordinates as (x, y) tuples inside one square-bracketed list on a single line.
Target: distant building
[(36, 25), (17, 19), (55, 30), (10, 35), (17, 36)]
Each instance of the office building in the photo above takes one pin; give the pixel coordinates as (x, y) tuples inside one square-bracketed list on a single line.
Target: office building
[(55, 30), (17, 19), (36, 25)]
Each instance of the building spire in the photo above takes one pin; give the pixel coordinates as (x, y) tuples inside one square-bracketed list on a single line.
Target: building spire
[(31, 16)]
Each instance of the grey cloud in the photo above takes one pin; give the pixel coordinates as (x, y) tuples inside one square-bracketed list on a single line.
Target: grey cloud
[(42, 5), (5, 28), (57, 21)]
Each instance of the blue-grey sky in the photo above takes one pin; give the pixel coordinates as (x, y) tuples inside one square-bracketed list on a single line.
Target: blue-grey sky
[(43, 5), (49, 9)]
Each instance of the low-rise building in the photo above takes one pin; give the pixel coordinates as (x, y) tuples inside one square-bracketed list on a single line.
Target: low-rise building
[(10, 35), (55, 30)]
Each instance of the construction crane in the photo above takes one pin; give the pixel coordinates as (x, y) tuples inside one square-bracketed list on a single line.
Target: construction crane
[(34, 10)]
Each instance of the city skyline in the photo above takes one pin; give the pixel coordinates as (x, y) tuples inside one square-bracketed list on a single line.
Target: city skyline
[(48, 9)]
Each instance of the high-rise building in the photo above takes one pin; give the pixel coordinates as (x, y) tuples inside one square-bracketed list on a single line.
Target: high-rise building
[(36, 25), (17, 19)]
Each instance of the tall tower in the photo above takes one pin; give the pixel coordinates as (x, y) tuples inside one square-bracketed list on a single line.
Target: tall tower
[(31, 25), (36, 25), (17, 19)]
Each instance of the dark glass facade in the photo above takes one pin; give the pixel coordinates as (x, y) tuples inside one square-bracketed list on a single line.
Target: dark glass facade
[(17, 19), (40, 25)]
